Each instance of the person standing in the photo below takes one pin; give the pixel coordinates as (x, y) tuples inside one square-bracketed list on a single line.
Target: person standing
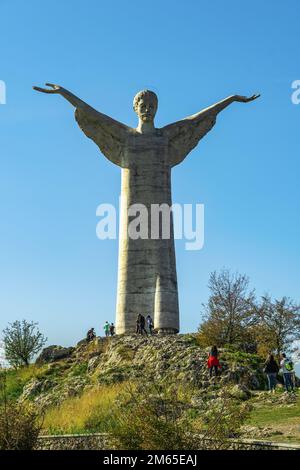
[(271, 370), (106, 329), (150, 325), (142, 323), (138, 324), (112, 329), (287, 367), (213, 362)]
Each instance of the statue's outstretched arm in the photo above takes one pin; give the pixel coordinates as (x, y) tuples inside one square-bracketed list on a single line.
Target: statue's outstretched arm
[(184, 135), (218, 107), (110, 124)]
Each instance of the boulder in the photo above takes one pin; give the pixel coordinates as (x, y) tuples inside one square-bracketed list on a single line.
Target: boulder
[(93, 363), (240, 392), (31, 389), (54, 353)]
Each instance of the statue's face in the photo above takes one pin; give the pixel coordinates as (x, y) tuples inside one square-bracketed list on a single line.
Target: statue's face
[(146, 109)]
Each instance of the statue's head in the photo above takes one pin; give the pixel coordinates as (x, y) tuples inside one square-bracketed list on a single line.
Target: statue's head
[(145, 105)]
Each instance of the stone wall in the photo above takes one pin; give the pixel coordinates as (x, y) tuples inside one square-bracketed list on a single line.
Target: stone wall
[(73, 442), (101, 442)]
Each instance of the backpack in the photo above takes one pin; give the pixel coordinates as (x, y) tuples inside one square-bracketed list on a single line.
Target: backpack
[(289, 365)]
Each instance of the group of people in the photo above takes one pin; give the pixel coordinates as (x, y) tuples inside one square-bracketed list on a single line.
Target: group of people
[(109, 330), (271, 369), (142, 322), (143, 326)]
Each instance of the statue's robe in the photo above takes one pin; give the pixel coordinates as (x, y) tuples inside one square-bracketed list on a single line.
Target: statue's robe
[(147, 280)]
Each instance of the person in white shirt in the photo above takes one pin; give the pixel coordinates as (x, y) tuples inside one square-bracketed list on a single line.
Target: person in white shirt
[(288, 373)]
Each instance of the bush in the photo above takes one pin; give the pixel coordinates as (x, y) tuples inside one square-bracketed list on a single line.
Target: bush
[(151, 417), (223, 419), (20, 426), (154, 417), (20, 423)]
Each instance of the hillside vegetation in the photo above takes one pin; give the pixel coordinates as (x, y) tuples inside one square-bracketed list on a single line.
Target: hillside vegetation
[(82, 389)]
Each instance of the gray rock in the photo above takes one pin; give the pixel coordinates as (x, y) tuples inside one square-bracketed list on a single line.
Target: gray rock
[(93, 363), (54, 353), (31, 389), (240, 392)]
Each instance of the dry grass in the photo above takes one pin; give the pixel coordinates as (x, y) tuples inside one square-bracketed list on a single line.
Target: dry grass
[(91, 412)]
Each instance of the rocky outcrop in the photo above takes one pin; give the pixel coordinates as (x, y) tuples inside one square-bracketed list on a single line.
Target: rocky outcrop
[(54, 353)]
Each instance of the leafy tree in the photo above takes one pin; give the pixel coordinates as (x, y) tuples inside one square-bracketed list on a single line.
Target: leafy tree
[(230, 312), (279, 324), (22, 340)]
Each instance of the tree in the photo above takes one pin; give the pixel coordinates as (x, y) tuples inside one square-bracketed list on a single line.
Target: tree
[(22, 340), (230, 312), (279, 324)]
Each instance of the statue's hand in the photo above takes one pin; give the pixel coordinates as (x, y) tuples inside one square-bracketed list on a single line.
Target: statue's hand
[(245, 99), (56, 89)]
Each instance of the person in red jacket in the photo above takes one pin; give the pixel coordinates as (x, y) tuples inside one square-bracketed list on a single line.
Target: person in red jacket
[(213, 361)]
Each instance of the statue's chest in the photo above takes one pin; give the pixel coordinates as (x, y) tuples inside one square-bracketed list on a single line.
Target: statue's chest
[(146, 151)]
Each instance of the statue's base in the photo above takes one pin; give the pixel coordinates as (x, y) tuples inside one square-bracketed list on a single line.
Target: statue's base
[(166, 331)]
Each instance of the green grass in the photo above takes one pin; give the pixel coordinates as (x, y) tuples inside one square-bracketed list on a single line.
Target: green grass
[(17, 378), (283, 419), (241, 358), (79, 369)]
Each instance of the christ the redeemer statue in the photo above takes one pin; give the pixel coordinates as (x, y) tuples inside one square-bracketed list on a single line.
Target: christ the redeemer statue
[(147, 280)]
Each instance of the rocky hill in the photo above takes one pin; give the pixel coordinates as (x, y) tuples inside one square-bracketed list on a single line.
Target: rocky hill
[(67, 372), (79, 387)]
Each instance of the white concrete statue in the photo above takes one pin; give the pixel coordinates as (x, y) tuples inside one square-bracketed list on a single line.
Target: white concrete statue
[(147, 281)]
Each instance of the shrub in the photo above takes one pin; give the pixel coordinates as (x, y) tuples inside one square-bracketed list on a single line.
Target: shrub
[(150, 416), (154, 417), (20, 423)]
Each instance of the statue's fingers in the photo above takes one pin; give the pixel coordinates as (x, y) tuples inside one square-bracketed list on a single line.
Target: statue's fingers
[(52, 85), (43, 90), (37, 88)]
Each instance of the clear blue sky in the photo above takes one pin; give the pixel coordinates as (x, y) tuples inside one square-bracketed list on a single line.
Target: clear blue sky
[(53, 269)]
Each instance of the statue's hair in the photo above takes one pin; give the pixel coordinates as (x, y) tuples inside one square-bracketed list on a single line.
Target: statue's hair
[(141, 95)]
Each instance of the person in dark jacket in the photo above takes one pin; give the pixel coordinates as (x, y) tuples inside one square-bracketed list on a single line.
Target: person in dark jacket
[(138, 324), (90, 335), (271, 370), (112, 329), (142, 323)]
